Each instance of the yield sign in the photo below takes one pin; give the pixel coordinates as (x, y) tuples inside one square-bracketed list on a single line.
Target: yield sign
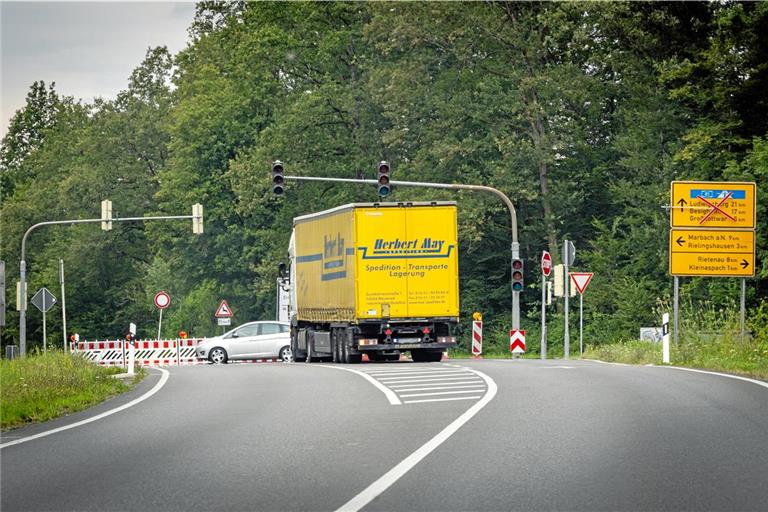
[(223, 310), (581, 280)]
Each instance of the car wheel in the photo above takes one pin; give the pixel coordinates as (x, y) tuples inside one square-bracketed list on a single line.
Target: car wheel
[(286, 354), (218, 356)]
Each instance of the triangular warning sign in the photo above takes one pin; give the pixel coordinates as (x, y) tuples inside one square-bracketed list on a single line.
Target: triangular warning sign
[(581, 280), (223, 310)]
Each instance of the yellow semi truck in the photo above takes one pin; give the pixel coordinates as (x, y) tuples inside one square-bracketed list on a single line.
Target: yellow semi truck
[(376, 279)]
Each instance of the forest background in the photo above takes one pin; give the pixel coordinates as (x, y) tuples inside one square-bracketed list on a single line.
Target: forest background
[(582, 113)]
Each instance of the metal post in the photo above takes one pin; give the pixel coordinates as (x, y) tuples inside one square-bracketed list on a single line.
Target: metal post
[(543, 316), (45, 334), (159, 324), (676, 310), (581, 324), (23, 263), (451, 186), (566, 288), (743, 308), (63, 304)]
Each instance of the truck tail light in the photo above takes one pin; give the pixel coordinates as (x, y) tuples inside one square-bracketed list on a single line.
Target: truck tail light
[(388, 332), (426, 330)]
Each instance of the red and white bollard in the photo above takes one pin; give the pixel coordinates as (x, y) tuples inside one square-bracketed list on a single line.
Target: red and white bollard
[(477, 338)]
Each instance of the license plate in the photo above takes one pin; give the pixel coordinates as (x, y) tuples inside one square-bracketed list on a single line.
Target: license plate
[(406, 340)]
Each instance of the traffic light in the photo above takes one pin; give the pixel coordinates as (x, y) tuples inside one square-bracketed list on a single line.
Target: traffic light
[(197, 218), (383, 186), (106, 215), (517, 275), (278, 180)]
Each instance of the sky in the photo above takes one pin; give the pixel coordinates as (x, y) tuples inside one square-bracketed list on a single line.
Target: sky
[(89, 49)]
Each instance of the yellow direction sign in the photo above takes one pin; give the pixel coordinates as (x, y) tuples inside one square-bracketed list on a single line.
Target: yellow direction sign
[(711, 252), (711, 204)]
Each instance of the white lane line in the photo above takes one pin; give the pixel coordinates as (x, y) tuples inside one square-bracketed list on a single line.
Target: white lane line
[(432, 388), (391, 396), (441, 393), (442, 399), (746, 379), (407, 374), (155, 389), (394, 474), (424, 379)]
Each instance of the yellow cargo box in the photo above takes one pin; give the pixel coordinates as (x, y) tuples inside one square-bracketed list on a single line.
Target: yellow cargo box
[(375, 261)]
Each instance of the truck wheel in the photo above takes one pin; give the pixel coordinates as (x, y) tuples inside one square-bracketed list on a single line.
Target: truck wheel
[(343, 352), (309, 349), (355, 358), (426, 356)]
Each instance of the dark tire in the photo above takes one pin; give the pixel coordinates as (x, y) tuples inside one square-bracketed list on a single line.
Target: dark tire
[(392, 357), (218, 355), (309, 349), (286, 354), (343, 349), (375, 357), (355, 358), (335, 345)]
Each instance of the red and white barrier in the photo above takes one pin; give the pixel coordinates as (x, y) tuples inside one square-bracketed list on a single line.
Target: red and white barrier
[(477, 338), (517, 341), (148, 352)]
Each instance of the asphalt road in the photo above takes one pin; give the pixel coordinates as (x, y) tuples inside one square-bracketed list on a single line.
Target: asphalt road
[(544, 436)]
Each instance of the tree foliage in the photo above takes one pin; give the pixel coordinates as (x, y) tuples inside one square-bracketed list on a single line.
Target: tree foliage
[(582, 113)]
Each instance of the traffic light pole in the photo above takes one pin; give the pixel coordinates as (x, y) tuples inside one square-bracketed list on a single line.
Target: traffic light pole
[(23, 264), (451, 186)]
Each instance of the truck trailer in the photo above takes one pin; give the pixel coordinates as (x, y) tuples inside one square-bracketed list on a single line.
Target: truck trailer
[(374, 278)]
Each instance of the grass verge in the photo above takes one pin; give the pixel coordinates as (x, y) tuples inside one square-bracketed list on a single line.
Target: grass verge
[(748, 358), (43, 386)]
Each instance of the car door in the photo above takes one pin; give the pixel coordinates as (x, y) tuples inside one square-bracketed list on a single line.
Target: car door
[(243, 342), (272, 337)]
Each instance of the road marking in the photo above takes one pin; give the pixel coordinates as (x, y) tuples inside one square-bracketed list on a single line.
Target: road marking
[(155, 389), (424, 379), (424, 372), (412, 388), (391, 396), (746, 379), (441, 393), (394, 474), (442, 399), (469, 380)]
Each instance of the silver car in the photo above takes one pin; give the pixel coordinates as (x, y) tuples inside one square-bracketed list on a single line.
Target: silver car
[(254, 340)]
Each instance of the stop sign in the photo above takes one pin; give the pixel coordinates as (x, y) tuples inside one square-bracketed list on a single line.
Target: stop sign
[(546, 263)]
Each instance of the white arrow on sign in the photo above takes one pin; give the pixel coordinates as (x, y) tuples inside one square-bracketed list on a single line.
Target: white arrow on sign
[(581, 280)]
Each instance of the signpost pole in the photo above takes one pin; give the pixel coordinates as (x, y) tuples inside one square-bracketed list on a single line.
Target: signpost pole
[(45, 337), (63, 305), (566, 288), (543, 317), (581, 324), (159, 324), (743, 307), (676, 302)]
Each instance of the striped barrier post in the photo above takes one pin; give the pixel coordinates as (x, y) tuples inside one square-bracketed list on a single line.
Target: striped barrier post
[(477, 338)]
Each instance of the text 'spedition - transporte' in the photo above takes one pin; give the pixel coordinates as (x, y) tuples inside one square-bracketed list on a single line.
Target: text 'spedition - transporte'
[(375, 278)]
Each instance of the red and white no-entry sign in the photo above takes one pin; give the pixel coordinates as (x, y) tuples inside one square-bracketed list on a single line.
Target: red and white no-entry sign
[(517, 341), (162, 300), (477, 337), (546, 263)]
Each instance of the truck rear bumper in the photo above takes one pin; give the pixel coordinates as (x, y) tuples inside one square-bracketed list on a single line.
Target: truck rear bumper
[(405, 346)]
